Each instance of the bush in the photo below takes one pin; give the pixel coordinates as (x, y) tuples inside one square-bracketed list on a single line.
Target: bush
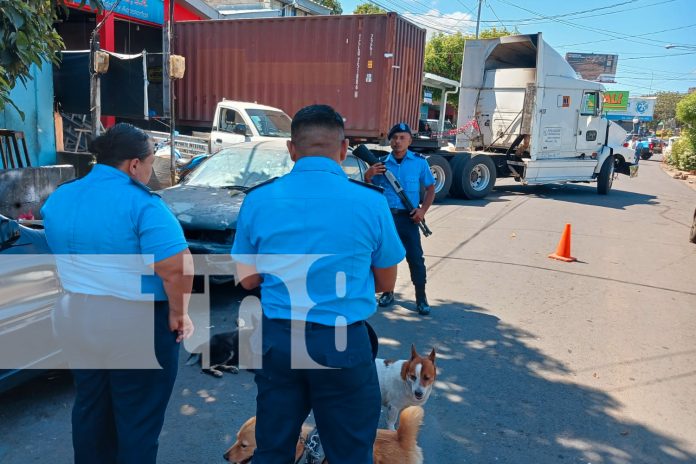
[(683, 154)]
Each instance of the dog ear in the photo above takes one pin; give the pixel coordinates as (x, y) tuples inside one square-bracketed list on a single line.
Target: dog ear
[(414, 353), (431, 356), (404, 369)]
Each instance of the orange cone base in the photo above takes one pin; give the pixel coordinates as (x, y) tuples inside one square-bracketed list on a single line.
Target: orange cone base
[(568, 259)]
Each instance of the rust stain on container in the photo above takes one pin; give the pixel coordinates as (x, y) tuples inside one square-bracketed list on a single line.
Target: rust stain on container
[(369, 68)]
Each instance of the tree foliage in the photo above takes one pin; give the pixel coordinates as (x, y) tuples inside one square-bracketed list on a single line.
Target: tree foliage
[(334, 5), (686, 110), (443, 55), (666, 106), (368, 8), (27, 37)]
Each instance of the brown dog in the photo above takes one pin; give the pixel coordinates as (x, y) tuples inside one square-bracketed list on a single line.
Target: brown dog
[(391, 447)]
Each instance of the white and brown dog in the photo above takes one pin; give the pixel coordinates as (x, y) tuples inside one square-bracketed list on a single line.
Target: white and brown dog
[(404, 383)]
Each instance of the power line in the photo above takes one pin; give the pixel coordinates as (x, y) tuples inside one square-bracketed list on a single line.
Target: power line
[(637, 35), (599, 31), (529, 21)]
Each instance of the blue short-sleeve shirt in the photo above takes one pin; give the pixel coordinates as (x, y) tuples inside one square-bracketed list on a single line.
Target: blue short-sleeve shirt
[(119, 227), (315, 235), (412, 173)]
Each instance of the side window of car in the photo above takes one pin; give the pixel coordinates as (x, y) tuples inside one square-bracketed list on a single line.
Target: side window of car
[(228, 119), (352, 168)]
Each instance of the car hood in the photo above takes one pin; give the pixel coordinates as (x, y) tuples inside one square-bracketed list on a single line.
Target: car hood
[(204, 207)]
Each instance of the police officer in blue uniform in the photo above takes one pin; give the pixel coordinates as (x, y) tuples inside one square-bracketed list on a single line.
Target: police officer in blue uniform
[(119, 408), (317, 224), (412, 171)]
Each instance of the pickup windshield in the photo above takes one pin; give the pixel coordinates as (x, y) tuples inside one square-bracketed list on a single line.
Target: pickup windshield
[(270, 123)]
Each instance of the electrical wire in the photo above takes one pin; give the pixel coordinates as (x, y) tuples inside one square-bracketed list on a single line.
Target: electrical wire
[(598, 31)]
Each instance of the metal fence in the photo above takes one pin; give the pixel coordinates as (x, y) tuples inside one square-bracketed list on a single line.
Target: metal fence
[(187, 145)]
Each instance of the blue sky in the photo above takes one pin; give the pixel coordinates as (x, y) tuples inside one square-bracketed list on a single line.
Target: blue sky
[(636, 30)]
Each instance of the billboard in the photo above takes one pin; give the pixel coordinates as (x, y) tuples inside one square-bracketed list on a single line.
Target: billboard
[(593, 67), (151, 11), (641, 108), (615, 100)]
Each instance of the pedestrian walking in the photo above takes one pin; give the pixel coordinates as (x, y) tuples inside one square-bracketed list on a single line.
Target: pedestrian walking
[(108, 232), (319, 244), (413, 173)]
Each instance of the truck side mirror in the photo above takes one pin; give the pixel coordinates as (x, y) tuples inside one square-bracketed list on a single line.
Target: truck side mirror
[(240, 129)]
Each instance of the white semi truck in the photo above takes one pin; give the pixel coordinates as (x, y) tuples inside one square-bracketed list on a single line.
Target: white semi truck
[(530, 118)]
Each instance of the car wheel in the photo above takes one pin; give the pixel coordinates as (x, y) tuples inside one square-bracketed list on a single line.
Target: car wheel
[(606, 176), (474, 178), (692, 234), (442, 172)]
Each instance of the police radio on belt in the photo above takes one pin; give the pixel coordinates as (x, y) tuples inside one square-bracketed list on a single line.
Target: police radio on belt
[(364, 153)]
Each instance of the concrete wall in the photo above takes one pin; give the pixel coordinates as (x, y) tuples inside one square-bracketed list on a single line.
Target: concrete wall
[(36, 101), (25, 190)]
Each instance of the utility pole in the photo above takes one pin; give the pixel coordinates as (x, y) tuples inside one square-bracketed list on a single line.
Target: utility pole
[(478, 18), (94, 84), (172, 114)]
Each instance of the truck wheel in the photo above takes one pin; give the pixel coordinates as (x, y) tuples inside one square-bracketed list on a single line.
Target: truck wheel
[(474, 177), (606, 176), (442, 172)]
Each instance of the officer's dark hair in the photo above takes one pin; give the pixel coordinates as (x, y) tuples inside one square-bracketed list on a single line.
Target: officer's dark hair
[(315, 117), (120, 143)]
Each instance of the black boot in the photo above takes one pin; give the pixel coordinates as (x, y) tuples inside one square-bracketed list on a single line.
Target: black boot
[(386, 299), (421, 301)]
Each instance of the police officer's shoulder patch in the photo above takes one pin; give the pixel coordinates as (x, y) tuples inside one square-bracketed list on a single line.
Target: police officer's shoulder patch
[(269, 181), (419, 155), (144, 187), (365, 184)]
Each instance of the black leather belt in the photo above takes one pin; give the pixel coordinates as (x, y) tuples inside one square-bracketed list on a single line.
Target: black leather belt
[(312, 325)]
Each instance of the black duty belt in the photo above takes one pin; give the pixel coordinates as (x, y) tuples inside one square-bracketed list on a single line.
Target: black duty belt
[(400, 212)]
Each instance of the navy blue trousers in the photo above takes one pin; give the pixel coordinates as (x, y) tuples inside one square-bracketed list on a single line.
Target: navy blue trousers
[(410, 237), (345, 400), (118, 413)]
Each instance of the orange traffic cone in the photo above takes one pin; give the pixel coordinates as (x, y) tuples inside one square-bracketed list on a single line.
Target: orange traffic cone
[(563, 250)]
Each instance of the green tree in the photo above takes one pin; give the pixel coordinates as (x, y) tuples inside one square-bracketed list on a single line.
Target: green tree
[(443, 55), (27, 37), (666, 106), (684, 153), (335, 5), (368, 8)]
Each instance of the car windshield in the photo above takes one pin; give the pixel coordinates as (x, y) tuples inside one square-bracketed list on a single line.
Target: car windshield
[(241, 167), (270, 123)]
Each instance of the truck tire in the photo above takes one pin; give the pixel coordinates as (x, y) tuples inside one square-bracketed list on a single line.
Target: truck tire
[(442, 172), (474, 177), (692, 233), (606, 176)]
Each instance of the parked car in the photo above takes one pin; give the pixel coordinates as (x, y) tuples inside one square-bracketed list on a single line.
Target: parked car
[(207, 201), (656, 144), (29, 287)]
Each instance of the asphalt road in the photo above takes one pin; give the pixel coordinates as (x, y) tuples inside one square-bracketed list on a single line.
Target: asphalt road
[(539, 361)]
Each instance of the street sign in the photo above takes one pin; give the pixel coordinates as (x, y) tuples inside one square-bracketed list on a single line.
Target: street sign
[(615, 100)]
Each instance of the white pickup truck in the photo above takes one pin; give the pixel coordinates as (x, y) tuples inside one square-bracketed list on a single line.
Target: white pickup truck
[(236, 122)]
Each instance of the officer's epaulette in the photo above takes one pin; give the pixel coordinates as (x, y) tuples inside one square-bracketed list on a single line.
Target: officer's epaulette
[(266, 182), (144, 187), (419, 155), (365, 184)]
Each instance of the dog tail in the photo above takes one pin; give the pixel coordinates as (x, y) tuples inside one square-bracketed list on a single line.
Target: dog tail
[(195, 358), (410, 422)]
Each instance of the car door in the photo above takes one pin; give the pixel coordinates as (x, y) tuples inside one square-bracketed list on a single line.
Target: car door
[(29, 287), (590, 136), (228, 130)]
